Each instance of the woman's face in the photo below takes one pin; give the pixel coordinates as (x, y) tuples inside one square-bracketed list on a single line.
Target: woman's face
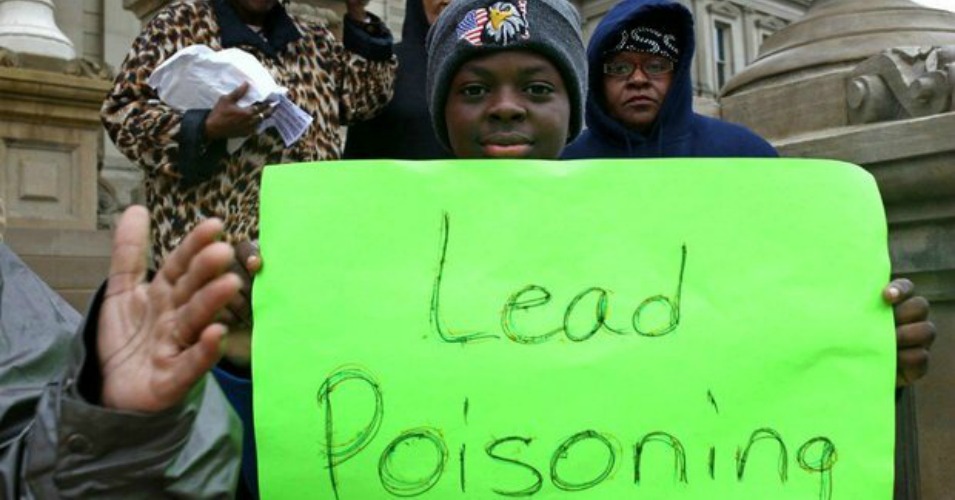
[(635, 99), (253, 11), (432, 8)]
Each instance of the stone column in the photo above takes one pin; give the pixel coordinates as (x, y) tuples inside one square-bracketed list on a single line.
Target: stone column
[(50, 141), (3, 220), (28, 26), (871, 82), (49, 123)]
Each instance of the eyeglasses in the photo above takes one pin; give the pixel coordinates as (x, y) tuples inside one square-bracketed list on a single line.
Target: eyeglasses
[(654, 67)]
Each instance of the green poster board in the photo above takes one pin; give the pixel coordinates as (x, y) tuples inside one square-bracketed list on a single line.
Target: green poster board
[(660, 329)]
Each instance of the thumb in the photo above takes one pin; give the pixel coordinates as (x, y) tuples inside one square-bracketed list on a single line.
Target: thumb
[(247, 254), (127, 266), (238, 92)]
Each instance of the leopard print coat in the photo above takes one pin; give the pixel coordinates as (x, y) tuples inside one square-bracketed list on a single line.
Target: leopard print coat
[(333, 84)]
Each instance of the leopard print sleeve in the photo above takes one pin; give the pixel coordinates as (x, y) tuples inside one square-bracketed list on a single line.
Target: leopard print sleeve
[(366, 85), (143, 128)]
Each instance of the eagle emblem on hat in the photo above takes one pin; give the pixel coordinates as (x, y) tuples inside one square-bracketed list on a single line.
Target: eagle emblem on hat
[(499, 24)]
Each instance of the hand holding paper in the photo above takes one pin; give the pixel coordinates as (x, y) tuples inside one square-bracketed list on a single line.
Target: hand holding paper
[(197, 77), (227, 119)]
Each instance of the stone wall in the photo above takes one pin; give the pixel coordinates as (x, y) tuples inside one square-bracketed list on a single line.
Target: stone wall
[(871, 82), (51, 148)]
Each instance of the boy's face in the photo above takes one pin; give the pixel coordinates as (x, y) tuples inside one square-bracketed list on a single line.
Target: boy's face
[(510, 104)]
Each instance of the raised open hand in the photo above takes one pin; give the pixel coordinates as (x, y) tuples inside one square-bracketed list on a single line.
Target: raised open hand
[(157, 339)]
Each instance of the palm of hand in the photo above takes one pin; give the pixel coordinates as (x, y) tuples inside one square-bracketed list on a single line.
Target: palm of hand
[(157, 339), (137, 331)]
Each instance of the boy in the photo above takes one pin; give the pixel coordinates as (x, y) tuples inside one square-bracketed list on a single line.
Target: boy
[(507, 80)]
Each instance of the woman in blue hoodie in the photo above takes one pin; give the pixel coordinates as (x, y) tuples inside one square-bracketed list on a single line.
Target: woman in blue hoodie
[(640, 102)]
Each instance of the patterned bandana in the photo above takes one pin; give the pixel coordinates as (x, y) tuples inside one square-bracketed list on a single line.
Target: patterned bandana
[(500, 24), (648, 40)]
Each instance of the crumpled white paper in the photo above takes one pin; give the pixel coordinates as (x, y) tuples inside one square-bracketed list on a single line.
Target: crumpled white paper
[(197, 76)]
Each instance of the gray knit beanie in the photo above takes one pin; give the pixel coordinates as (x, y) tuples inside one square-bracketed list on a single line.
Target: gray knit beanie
[(465, 30)]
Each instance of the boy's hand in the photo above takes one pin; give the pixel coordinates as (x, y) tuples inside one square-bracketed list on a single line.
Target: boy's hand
[(914, 333), (355, 9), (238, 314), (156, 339)]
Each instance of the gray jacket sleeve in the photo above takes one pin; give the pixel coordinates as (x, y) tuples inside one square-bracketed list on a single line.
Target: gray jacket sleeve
[(55, 444)]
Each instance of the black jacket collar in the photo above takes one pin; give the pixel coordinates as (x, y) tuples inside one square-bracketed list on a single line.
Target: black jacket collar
[(279, 29)]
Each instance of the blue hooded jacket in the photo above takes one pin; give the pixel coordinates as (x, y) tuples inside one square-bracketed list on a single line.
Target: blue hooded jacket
[(678, 131)]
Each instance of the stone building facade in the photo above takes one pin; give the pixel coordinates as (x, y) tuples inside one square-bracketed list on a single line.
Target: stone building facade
[(886, 104)]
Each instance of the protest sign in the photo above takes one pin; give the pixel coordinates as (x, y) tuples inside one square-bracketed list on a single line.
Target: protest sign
[(593, 329)]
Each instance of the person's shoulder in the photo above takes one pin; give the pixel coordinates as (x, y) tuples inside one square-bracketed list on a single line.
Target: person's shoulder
[(184, 7), (575, 150), (176, 25), (182, 13), (584, 146), (711, 125), (734, 139), (310, 24)]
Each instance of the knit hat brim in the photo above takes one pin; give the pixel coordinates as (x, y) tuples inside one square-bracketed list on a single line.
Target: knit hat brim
[(473, 28)]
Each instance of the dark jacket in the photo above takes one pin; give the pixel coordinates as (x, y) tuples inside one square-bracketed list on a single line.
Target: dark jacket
[(55, 444), (678, 131), (403, 129)]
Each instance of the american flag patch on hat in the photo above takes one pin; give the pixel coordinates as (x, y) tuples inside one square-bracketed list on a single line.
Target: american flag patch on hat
[(472, 25)]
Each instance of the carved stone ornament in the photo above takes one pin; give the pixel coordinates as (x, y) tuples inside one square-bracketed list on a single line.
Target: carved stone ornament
[(770, 23), (3, 219), (88, 68), (903, 82), (9, 58), (726, 9)]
